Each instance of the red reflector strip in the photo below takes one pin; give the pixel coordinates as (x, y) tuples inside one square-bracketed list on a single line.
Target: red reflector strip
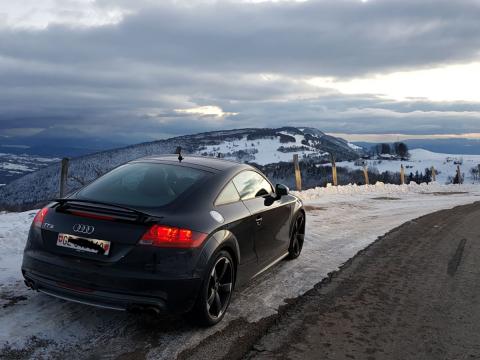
[(166, 236), (91, 216)]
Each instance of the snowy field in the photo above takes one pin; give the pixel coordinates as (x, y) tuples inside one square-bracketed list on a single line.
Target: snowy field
[(13, 166), (340, 222), (421, 159), (263, 151)]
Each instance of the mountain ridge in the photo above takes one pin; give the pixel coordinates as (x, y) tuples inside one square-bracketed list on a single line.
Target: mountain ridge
[(253, 145)]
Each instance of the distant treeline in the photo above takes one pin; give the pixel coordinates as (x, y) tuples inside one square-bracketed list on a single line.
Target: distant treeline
[(399, 149), (314, 175)]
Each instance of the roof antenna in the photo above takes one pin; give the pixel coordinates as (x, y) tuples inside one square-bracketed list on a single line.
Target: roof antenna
[(179, 152)]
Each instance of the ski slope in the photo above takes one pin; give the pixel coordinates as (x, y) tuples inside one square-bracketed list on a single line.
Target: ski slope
[(340, 222)]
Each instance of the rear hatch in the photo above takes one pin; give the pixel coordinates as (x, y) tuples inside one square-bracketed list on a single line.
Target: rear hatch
[(106, 228), (92, 230)]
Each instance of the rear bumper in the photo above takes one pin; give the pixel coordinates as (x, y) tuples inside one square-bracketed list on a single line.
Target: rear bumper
[(108, 287)]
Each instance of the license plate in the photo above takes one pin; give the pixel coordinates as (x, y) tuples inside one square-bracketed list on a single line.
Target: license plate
[(95, 246)]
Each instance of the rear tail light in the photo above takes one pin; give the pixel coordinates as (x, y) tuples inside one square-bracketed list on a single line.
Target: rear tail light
[(166, 236), (39, 219)]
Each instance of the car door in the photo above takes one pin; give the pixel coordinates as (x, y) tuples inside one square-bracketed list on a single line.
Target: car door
[(235, 212), (270, 219)]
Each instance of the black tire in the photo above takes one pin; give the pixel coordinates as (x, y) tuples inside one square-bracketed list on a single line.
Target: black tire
[(297, 237), (216, 291)]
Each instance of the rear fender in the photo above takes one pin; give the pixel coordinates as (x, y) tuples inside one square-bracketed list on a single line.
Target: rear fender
[(222, 239)]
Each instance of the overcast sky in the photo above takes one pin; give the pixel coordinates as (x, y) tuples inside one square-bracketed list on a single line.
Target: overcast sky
[(138, 70)]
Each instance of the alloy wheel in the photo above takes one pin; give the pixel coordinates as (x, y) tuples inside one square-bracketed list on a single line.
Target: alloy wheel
[(298, 235), (220, 287)]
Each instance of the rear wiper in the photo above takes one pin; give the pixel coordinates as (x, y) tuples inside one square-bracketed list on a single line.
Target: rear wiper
[(142, 216)]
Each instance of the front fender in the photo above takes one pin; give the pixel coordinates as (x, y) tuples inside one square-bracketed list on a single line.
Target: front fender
[(297, 208)]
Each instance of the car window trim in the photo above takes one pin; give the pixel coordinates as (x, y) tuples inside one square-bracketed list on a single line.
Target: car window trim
[(220, 193), (259, 173)]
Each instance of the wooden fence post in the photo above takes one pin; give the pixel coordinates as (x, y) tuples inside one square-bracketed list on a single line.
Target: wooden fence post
[(365, 173), (334, 171), (434, 174), (298, 175), (402, 175), (63, 177), (334, 175)]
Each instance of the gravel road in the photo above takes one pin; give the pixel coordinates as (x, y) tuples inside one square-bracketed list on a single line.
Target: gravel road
[(413, 294)]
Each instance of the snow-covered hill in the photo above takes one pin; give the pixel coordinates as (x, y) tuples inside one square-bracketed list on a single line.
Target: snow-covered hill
[(261, 146), (267, 146), (420, 159)]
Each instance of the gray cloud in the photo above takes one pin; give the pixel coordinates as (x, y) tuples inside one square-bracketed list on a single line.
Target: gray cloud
[(128, 78), (342, 37)]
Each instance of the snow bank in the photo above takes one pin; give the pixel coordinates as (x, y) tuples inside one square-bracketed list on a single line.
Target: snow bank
[(382, 189), (14, 229)]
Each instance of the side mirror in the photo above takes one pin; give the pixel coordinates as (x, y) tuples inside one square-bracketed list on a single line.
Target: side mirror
[(281, 190)]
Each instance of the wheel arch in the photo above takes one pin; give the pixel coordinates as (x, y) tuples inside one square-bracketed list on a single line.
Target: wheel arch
[(218, 241), (227, 240), (298, 209), (302, 211)]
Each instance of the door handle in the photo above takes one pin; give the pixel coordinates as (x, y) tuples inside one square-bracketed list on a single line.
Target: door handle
[(259, 220)]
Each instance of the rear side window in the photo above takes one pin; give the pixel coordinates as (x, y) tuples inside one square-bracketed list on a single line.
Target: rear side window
[(251, 184), (228, 195), (143, 184)]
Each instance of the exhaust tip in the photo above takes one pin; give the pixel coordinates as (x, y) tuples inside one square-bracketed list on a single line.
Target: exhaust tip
[(153, 310), (144, 309), (29, 284)]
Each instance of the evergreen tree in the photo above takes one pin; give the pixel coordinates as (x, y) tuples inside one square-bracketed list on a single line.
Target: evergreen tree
[(401, 150), (385, 148)]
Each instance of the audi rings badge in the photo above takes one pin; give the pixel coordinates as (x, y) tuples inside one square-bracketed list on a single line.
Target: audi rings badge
[(83, 229)]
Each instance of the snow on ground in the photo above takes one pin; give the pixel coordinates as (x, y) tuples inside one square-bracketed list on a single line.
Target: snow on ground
[(13, 166), (264, 151), (421, 159), (340, 222), (354, 147)]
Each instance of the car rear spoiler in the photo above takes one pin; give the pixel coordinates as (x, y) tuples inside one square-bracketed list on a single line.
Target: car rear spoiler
[(104, 211)]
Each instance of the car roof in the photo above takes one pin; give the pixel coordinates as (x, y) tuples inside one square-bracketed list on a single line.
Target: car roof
[(196, 160)]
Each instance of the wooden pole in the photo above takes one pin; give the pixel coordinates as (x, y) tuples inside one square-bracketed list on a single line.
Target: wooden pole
[(63, 177), (402, 175), (434, 174), (334, 171), (298, 175), (459, 175), (365, 173)]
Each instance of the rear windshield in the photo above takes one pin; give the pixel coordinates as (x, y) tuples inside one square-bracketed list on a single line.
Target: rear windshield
[(142, 184)]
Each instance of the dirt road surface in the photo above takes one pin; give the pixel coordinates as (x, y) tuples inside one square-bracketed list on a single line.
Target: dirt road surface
[(413, 294)]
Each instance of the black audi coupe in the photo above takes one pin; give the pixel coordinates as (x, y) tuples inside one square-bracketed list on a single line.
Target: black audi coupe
[(164, 234)]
